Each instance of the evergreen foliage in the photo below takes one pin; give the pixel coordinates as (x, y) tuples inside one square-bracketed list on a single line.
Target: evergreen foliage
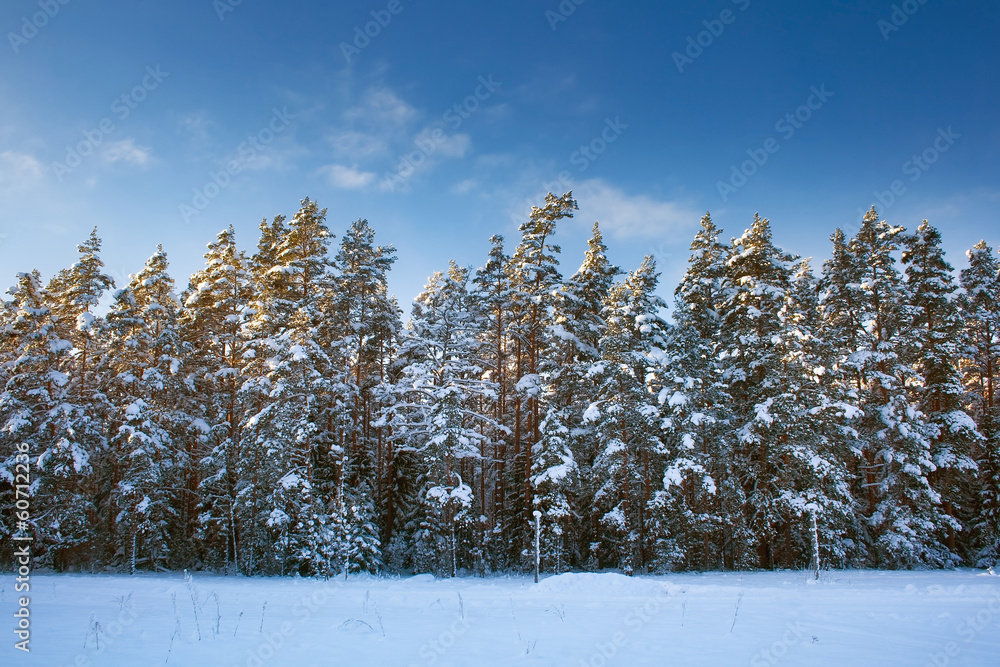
[(277, 417)]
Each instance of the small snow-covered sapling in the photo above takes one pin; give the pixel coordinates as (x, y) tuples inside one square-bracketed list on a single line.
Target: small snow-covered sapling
[(737, 612), (189, 580), (218, 613)]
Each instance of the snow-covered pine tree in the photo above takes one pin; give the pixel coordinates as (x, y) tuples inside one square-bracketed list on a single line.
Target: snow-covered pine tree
[(212, 325), (437, 417), (554, 473), (689, 524), (937, 332), (299, 518), (701, 292), (492, 304), (256, 477), (577, 326), (285, 501), (626, 417), (758, 280), (534, 279), (573, 340), (353, 526), (73, 295), (148, 462), (866, 324), (838, 302), (41, 457), (266, 314), (446, 496), (980, 307), (359, 332), (815, 442)]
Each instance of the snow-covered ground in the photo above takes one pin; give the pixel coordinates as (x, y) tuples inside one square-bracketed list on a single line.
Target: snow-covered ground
[(780, 618)]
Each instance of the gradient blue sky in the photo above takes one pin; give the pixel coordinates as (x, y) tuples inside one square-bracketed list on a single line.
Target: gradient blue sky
[(561, 85)]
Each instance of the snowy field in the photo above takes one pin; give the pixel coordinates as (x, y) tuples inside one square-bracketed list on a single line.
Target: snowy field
[(847, 618)]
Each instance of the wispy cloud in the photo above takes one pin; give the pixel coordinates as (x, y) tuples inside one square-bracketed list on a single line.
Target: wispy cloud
[(197, 126), (347, 178), (435, 141), (125, 150), (356, 145), (369, 130), (381, 107), (281, 154), (633, 216), (491, 160), (464, 187), (18, 171)]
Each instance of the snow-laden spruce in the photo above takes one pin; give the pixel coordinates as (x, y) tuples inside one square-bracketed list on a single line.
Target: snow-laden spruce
[(277, 417)]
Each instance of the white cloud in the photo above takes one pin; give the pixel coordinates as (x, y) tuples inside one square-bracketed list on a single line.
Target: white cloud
[(282, 153), (633, 216), (356, 145), (465, 186), (348, 178), (382, 131), (456, 145), (492, 160), (381, 107), (196, 125), (17, 170), (126, 151), (433, 141)]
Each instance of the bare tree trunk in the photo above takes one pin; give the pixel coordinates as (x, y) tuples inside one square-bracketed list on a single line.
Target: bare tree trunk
[(815, 544), (538, 542)]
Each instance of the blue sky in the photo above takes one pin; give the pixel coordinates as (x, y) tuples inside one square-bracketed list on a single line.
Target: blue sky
[(164, 122)]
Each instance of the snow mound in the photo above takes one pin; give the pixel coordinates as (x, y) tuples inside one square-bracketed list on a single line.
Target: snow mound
[(601, 584)]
